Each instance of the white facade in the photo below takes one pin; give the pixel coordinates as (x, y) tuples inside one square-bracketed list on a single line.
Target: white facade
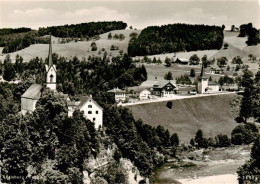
[(202, 85), (93, 112), (91, 109), (51, 77), (213, 88), (28, 105), (120, 97), (144, 95)]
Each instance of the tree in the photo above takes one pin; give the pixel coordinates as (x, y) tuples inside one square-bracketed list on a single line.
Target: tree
[(192, 73), (252, 167), (225, 46), (9, 71), (222, 61), (109, 36), (246, 107), (168, 62), (232, 28), (223, 27), (168, 76), (121, 37), (237, 60), (194, 59), (169, 104), (174, 139)]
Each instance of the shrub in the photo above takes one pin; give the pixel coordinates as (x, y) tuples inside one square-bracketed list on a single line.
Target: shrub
[(169, 104), (244, 134)]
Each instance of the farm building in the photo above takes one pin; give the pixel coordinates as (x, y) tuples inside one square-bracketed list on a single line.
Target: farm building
[(187, 90), (119, 94), (144, 94), (216, 71), (182, 61), (165, 90), (90, 107)]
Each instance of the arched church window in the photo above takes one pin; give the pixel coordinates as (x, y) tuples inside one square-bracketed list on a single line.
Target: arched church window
[(51, 78)]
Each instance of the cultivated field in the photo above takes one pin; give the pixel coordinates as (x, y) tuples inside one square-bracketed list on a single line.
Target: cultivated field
[(211, 114)]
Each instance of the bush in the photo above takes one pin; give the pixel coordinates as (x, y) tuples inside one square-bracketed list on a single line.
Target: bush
[(222, 141), (244, 134), (169, 104)]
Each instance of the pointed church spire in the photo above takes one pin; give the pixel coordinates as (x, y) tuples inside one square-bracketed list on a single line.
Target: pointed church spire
[(50, 53), (202, 70)]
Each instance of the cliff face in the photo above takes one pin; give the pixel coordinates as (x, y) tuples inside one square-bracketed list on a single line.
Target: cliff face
[(95, 166)]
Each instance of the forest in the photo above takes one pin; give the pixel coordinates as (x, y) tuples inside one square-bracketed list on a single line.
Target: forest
[(19, 40), (175, 37), (253, 35), (16, 39), (89, 29)]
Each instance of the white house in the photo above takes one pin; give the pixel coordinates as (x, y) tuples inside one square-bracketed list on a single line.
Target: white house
[(213, 86), (30, 98), (119, 94), (144, 94), (90, 107)]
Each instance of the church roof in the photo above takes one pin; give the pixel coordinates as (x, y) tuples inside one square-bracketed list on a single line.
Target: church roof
[(33, 92)]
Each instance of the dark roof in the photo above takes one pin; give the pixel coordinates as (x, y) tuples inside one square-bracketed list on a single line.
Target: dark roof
[(187, 88), (164, 84), (33, 92), (84, 99), (50, 54), (212, 83)]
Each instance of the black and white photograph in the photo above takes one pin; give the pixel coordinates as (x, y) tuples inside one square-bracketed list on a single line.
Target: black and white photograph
[(129, 91)]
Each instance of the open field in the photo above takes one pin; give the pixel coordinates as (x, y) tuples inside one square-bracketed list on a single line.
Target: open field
[(80, 49), (213, 115)]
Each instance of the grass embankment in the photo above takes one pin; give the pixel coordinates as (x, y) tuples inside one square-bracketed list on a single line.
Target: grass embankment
[(213, 115)]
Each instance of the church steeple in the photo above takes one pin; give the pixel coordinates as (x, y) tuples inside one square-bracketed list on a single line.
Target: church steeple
[(202, 70), (50, 53), (50, 70)]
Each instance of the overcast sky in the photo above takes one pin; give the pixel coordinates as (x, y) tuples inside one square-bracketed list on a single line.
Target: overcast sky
[(139, 14)]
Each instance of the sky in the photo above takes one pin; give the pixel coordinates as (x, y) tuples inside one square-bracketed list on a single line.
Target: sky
[(136, 13)]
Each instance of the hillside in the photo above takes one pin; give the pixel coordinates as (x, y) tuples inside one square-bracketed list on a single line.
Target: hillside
[(211, 114), (80, 49)]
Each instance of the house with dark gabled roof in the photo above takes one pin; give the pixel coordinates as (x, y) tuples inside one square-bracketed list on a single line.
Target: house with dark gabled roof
[(164, 89), (119, 94)]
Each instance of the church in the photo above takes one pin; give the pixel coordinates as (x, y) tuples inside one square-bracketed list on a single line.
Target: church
[(206, 86), (91, 109)]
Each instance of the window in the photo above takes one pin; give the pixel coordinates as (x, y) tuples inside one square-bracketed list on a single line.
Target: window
[(51, 78), (89, 106), (89, 112), (96, 112), (94, 119)]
